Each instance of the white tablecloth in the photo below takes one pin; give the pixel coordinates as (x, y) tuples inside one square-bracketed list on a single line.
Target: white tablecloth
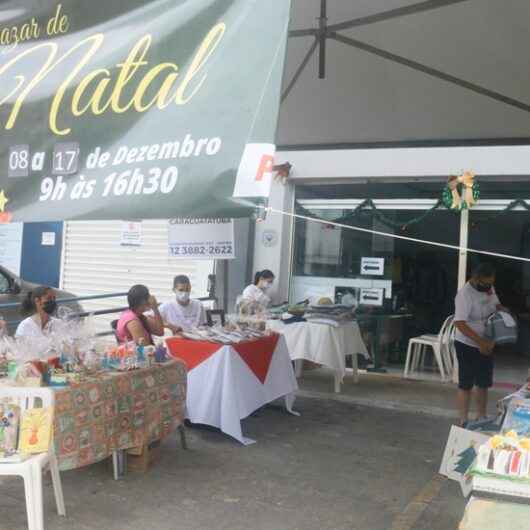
[(223, 389), (321, 343)]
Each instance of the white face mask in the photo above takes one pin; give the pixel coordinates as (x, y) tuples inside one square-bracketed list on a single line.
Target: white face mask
[(266, 286), (182, 296)]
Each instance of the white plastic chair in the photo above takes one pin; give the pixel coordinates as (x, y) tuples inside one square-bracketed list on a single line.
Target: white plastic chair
[(448, 351), (32, 468), (438, 343)]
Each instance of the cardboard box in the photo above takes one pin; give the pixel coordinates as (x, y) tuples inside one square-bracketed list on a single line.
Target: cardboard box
[(142, 460)]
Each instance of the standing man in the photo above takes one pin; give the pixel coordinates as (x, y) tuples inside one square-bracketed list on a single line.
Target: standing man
[(474, 303), (184, 313)]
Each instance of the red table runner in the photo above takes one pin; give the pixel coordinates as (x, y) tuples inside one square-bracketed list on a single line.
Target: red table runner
[(257, 353)]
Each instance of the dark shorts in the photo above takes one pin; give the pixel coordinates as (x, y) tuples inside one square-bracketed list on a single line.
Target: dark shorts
[(474, 369)]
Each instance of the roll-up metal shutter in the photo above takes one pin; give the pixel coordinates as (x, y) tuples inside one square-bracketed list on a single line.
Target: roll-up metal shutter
[(94, 262)]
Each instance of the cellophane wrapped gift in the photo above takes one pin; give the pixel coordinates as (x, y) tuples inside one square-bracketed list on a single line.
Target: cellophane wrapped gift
[(9, 428)]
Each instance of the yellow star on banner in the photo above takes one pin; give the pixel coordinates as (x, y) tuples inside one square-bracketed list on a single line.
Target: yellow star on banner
[(3, 201)]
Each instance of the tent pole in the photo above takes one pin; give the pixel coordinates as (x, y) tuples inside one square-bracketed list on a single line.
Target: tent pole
[(462, 255), (322, 36)]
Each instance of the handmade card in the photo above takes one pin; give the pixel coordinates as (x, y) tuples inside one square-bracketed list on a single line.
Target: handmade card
[(36, 430), (9, 426)]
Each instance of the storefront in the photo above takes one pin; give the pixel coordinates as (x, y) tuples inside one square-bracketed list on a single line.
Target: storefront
[(325, 260), (344, 264)]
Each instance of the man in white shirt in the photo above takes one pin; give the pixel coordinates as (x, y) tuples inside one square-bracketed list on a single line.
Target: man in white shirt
[(184, 313), (474, 303)]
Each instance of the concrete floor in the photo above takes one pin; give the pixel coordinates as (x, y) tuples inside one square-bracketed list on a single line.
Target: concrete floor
[(339, 466), (392, 392)]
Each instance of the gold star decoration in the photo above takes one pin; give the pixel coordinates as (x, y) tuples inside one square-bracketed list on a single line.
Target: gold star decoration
[(3, 201)]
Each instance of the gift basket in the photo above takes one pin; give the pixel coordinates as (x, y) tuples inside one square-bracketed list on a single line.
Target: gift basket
[(69, 354)]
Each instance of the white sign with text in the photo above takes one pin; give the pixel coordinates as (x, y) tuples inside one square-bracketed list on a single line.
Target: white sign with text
[(371, 297), (131, 234), (48, 239), (191, 238), (373, 266)]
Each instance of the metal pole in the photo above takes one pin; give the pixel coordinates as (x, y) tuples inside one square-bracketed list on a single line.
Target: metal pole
[(462, 255), (322, 36)]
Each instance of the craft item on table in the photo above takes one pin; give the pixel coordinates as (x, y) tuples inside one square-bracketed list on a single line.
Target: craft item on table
[(327, 313), (57, 377), (247, 308), (297, 310), (91, 360), (518, 417), (9, 427), (160, 353), (505, 456), (36, 430), (12, 368), (245, 322), (121, 358), (28, 375)]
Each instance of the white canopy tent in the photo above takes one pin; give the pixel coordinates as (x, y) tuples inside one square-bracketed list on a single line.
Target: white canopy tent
[(381, 91), (406, 72)]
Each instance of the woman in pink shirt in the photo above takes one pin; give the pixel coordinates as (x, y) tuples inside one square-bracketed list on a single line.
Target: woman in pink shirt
[(133, 325)]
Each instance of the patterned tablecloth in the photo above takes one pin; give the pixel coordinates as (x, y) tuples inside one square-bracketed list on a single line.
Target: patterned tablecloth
[(117, 411)]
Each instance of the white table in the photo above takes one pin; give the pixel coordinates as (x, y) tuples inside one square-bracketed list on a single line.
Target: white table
[(323, 344), (228, 383)]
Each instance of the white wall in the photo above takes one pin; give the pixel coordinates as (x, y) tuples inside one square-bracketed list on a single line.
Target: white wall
[(276, 256)]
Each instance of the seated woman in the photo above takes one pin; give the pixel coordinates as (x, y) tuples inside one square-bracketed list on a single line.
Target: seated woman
[(257, 292), (133, 325), (40, 305)]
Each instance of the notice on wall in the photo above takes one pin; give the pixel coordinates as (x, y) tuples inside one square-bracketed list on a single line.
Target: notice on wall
[(190, 238), (131, 234), (371, 297), (48, 239), (11, 246), (373, 266)]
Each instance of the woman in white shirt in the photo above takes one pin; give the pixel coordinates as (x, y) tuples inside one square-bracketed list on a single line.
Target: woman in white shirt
[(257, 292), (40, 304)]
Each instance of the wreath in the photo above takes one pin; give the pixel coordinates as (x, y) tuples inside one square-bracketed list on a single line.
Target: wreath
[(461, 192)]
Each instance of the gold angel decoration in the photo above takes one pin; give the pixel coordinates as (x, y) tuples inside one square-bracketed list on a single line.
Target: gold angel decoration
[(461, 191)]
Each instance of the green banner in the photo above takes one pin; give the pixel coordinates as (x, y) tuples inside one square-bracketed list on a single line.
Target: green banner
[(138, 109)]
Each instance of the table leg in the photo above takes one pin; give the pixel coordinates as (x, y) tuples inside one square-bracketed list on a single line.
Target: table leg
[(182, 433), (337, 383), (115, 465), (298, 368), (289, 402), (377, 368), (355, 368), (119, 463)]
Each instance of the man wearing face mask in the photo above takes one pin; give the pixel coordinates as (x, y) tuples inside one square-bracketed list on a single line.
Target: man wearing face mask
[(184, 313), (40, 305), (474, 303)]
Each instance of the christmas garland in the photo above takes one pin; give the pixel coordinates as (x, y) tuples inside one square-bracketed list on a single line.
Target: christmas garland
[(447, 201)]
